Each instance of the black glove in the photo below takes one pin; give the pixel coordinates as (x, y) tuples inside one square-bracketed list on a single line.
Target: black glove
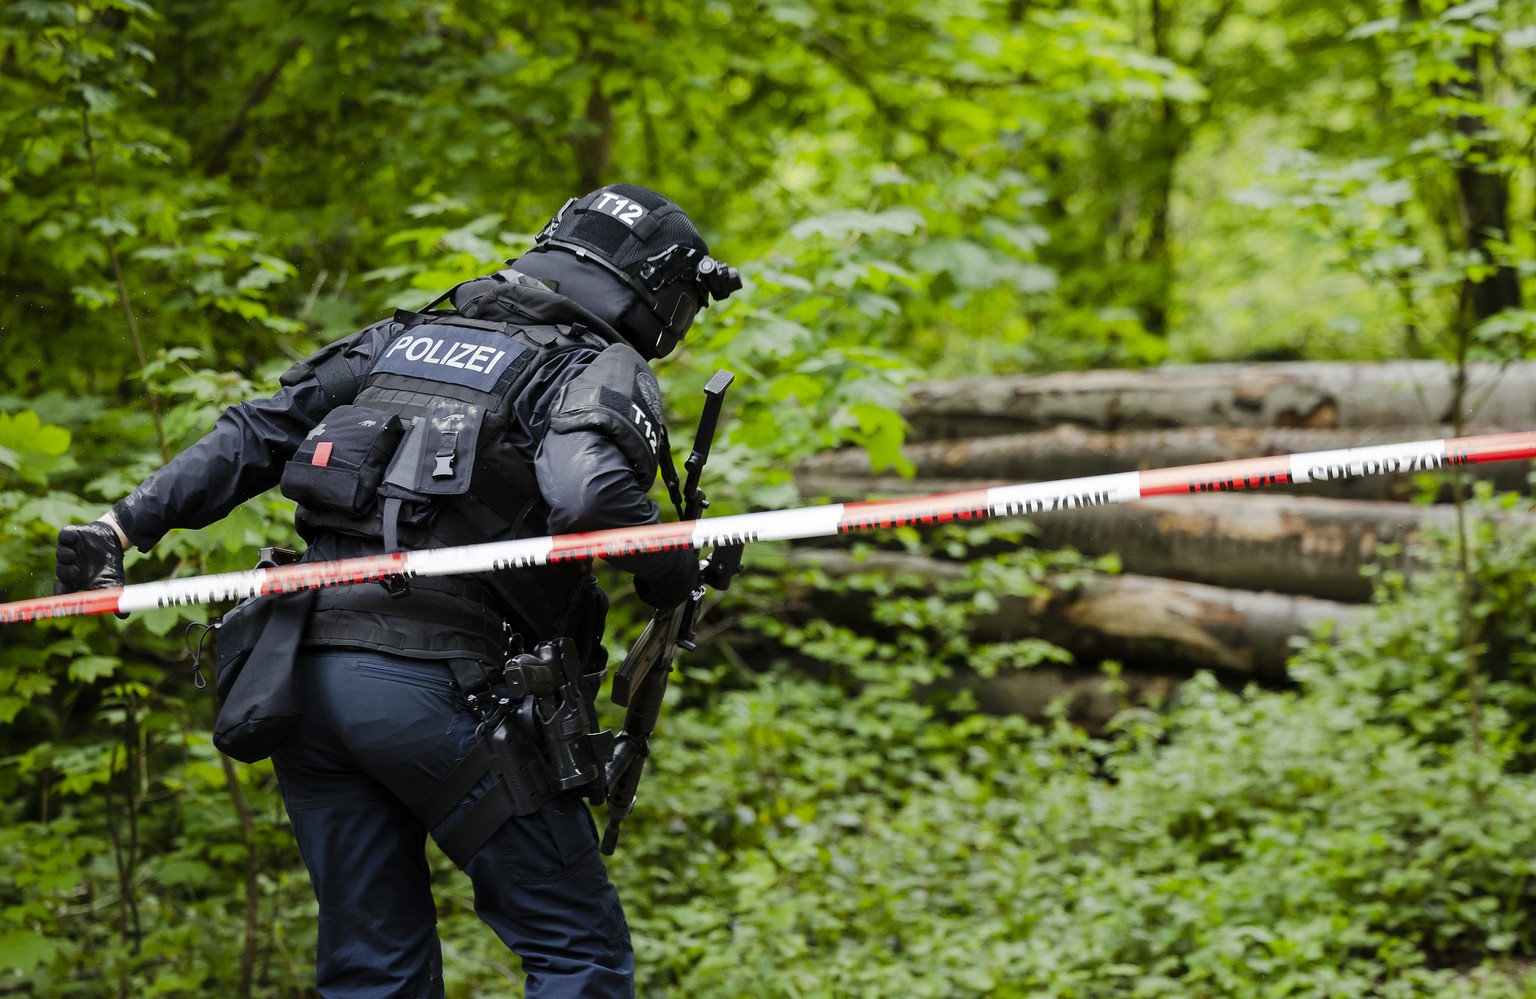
[(674, 585), (90, 557)]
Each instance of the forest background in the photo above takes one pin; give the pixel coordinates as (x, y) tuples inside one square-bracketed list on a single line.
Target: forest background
[(196, 194)]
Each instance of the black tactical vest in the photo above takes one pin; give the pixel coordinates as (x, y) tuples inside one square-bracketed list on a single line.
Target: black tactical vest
[(418, 459)]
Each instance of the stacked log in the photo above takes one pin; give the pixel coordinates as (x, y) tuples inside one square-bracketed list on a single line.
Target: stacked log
[(1070, 451), (1218, 581), (1340, 396)]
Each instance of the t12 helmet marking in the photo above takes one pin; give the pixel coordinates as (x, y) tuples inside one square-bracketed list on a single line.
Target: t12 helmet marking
[(672, 284)]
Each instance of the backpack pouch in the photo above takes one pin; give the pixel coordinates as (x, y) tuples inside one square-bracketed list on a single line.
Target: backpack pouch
[(339, 466)]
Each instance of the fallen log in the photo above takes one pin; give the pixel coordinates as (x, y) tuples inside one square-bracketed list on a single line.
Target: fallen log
[(1072, 452), (1154, 626), (1091, 697), (1280, 541), (1339, 395), (1260, 541)]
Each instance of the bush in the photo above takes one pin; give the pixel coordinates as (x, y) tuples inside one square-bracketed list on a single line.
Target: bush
[(1345, 838)]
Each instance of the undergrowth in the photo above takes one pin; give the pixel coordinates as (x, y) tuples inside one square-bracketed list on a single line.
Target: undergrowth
[(1344, 838)]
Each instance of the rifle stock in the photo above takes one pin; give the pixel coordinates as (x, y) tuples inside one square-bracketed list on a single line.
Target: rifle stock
[(659, 636)]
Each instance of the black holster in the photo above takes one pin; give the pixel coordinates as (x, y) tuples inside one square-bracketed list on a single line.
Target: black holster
[(538, 738)]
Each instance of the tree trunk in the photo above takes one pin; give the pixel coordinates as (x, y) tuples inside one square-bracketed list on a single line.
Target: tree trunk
[(1165, 144), (1259, 541), (1220, 581), (1160, 630), (1069, 452), (594, 146), (1310, 546), (1337, 395), (1482, 187), (1484, 192)]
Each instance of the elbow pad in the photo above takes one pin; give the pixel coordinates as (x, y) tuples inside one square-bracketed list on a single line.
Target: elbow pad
[(617, 397)]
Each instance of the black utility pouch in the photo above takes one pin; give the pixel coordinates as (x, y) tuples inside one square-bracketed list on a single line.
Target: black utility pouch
[(440, 460), (339, 466), (259, 701), (437, 459)]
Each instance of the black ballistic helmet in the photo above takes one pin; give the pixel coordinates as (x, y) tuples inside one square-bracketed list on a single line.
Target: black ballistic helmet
[(652, 248)]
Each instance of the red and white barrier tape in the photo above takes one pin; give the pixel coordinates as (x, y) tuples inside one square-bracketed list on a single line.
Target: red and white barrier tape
[(801, 522)]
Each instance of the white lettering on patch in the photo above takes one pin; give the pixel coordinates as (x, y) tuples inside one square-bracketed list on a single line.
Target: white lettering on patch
[(646, 428), (449, 353), (626, 211)]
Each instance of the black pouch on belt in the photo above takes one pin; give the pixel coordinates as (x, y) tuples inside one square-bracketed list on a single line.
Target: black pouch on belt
[(259, 703)]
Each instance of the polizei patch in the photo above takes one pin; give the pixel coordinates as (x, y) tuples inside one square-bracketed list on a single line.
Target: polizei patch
[(458, 355)]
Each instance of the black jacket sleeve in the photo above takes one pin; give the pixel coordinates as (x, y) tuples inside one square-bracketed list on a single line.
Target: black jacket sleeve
[(596, 464), (243, 455)]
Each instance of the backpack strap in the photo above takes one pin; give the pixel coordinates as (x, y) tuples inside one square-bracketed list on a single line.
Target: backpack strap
[(329, 367), (336, 377)]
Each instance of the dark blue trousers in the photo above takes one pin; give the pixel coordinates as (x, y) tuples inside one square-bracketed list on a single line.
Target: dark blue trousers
[(379, 732)]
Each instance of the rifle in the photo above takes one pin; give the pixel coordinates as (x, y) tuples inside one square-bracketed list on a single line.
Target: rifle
[(640, 684)]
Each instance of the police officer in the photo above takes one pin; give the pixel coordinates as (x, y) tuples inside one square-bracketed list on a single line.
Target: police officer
[(529, 408)]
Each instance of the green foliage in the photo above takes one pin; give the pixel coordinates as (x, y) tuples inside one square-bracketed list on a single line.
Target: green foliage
[(1341, 839), (196, 195), (1254, 844), (1408, 661), (1425, 216), (121, 834)]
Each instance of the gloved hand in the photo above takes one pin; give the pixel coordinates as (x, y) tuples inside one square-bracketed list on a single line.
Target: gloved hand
[(667, 589), (90, 557)]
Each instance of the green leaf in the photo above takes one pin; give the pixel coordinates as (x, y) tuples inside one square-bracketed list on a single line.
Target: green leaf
[(1470, 9), (25, 950), (842, 224), (1370, 29), (55, 510), (31, 448), (185, 871), (88, 669), (1384, 192)]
